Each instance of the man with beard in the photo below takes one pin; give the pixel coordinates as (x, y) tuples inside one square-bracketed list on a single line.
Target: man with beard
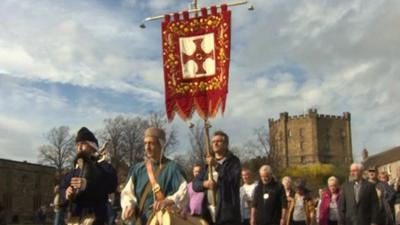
[(269, 200), (154, 184), (358, 202), (195, 198), (86, 187)]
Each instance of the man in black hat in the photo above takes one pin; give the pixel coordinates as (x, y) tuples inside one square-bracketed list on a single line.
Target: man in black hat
[(86, 187)]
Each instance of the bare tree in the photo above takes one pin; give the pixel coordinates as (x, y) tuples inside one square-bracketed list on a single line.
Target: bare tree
[(113, 131), (133, 130), (60, 149), (262, 140), (157, 119), (197, 143), (258, 145)]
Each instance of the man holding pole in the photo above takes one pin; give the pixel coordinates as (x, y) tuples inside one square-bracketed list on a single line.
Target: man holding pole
[(222, 185)]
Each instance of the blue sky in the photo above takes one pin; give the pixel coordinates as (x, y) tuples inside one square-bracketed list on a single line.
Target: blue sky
[(76, 63)]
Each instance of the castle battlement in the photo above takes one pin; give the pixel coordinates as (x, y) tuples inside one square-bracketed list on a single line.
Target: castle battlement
[(336, 117), (311, 113)]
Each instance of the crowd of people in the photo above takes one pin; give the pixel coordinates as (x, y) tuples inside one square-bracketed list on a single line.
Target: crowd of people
[(220, 193), (360, 201)]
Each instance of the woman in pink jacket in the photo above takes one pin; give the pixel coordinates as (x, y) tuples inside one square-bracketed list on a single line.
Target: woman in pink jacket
[(328, 210)]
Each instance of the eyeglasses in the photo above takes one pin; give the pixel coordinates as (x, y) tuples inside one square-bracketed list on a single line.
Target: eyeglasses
[(217, 141)]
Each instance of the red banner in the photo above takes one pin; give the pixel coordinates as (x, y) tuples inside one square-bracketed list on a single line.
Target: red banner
[(196, 53)]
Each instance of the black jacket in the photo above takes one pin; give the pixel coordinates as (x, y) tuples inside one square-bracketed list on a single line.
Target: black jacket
[(269, 200), (228, 186), (365, 211), (101, 181)]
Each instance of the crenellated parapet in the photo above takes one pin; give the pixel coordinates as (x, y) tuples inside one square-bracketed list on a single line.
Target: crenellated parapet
[(312, 113)]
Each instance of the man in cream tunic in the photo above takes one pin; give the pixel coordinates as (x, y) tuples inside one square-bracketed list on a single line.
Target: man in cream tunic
[(171, 181)]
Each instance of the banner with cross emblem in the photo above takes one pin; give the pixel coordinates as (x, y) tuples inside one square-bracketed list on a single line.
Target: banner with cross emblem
[(196, 53)]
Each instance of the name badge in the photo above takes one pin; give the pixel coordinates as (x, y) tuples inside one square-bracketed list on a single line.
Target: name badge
[(266, 196)]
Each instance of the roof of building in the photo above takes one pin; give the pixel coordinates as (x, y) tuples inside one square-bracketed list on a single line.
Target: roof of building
[(383, 158), (26, 163)]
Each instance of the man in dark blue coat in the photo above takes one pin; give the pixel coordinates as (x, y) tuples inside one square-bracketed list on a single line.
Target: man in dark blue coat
[(86, 187), (226, 184)]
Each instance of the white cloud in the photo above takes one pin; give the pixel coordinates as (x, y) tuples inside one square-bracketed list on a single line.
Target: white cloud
[(84, 45)]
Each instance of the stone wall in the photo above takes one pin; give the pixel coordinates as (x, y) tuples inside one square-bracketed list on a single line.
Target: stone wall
[(310, 138), (393, 169), (24, 187)]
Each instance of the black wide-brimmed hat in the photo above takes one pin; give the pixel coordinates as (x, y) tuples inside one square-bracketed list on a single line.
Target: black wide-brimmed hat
[(85, 135)]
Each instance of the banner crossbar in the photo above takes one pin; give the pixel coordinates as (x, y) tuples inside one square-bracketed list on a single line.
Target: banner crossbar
[(191, 11)]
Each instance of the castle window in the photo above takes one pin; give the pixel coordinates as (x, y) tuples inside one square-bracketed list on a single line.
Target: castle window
[(328, 139), (327, 134), (289, 133), (342, 133), (37, 181), (37, 201), (301, 132), (7, 201), (302, 145)]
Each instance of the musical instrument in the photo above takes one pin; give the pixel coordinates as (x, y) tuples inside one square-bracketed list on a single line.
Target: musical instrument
[(86, 164), (170, 217), (103, 153)]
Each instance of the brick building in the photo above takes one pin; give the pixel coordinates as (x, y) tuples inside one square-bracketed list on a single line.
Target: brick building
[(24, 187), (310, 138), (388, 161)]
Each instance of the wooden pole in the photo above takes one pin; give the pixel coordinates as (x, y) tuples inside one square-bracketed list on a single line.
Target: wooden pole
[(207, 126)]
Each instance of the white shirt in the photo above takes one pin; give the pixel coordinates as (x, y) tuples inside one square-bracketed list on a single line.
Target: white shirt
[(299, 213), (128, 198), (333, 211), (246, 192)]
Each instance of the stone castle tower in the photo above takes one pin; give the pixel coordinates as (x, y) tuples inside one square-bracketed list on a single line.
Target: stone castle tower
[(311, 138)]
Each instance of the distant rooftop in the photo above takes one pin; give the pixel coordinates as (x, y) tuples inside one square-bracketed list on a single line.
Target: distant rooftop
[(25, 163), (383, 158)]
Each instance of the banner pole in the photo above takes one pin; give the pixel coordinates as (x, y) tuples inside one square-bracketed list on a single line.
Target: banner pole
[(207, 126), (196, 10)]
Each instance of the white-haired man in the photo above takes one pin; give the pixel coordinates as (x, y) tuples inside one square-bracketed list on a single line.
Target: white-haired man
[(153, 184), (358, 201), (269, 201)]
